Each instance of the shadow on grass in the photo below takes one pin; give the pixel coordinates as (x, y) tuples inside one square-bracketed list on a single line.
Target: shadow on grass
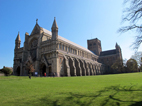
[(109, 96), (137, 104)]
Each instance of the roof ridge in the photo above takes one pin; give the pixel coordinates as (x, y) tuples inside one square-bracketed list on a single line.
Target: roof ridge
[(68, 41)]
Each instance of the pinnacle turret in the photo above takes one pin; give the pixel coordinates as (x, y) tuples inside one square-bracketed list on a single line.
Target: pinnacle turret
[(54, 30), (118, 49), (18, 37), (17, 41), (36, 21), (54, 25), (116, 45)]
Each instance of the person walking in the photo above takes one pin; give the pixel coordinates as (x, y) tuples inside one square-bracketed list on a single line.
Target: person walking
[(30, 75)]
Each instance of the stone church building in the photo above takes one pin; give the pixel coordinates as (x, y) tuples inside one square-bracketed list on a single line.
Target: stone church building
[(50, 53)]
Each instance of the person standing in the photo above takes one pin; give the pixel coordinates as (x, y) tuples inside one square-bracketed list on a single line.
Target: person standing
[(44, 74), (53, 74)]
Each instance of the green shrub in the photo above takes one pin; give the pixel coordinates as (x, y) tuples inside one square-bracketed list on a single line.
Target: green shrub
[(6, 71), (132, 65)]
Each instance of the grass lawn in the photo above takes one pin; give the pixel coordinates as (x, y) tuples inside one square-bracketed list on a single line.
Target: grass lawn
[(100, 90)]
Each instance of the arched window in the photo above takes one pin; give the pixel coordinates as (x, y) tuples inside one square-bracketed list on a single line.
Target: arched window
[(71, 50), (34, 43), (59, 46), (62, 47), (66, 48)]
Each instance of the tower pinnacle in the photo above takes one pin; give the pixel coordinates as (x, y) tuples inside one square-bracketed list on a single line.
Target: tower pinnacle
[(18, 37), (54, 30), (36, 21), (54, 25), (17, 41), (116, 46)]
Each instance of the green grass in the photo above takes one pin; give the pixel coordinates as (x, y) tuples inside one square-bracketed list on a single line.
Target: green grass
[(101, 90)]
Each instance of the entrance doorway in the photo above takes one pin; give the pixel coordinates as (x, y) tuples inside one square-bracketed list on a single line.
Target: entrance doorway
[(18, 71), (43, 69)]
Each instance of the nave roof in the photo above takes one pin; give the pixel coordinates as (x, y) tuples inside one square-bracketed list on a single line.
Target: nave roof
[(68, 41)]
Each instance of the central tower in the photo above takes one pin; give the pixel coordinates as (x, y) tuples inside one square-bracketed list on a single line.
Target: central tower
[(94, 45)]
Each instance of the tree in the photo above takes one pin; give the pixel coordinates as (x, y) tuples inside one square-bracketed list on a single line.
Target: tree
[(140, 68), (124, 62), (137, 56), (132, 65), (117, 66), (30, 68), (6, 71), (133, 15)]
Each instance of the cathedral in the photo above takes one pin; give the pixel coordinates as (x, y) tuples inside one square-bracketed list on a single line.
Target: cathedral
[(50, 53)]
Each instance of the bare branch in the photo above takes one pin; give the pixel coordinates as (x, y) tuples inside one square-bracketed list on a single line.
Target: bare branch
[(127, 28), (137, 42), (133, 15)]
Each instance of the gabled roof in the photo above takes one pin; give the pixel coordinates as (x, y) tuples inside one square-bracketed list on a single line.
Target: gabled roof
[(65, 40), (36, 29), (109, 52)]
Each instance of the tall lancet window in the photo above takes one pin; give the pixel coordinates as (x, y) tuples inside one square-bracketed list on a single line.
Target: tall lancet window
[(34, 44), (59, 46), (62, 47), (66, 48)]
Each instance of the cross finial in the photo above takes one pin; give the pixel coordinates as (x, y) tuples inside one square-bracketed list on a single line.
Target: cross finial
[(36, 21)]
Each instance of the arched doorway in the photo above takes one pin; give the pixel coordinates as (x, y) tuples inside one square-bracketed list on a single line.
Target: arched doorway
[(18, 71), (43, 70)]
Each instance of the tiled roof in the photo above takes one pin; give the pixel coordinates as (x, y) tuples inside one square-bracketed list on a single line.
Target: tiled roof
[(109, 52), (71, 43)]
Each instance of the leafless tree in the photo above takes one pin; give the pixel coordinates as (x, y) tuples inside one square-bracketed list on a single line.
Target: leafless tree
[(30, 68), (133, 15), (137, 56)]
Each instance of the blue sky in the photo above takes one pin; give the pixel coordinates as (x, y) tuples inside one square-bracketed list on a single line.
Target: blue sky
[(78, 20)]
